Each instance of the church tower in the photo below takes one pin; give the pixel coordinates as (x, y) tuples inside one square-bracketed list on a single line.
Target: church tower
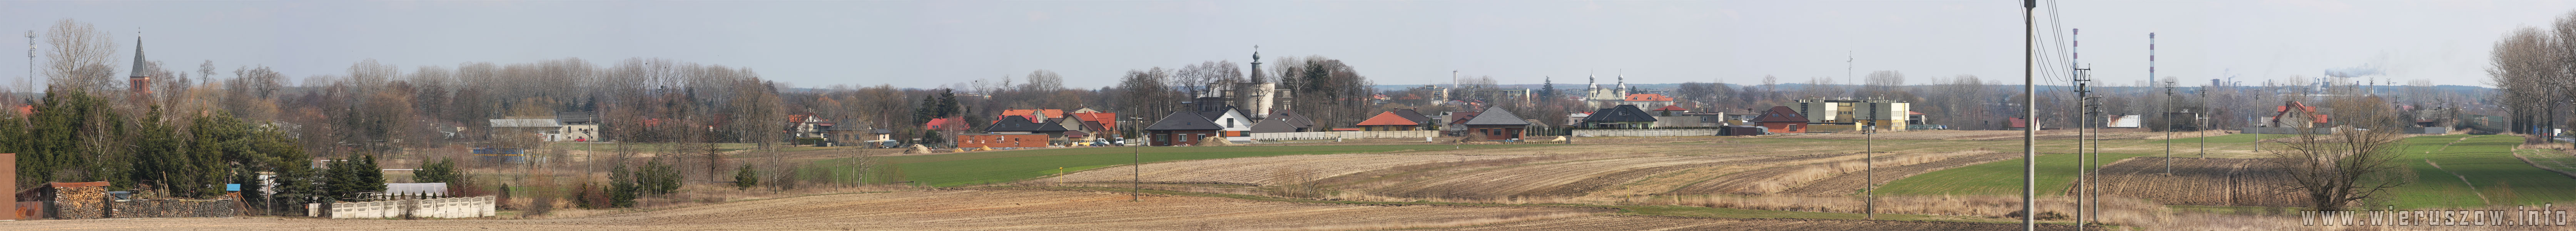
[(140, 82), (1265, 94)]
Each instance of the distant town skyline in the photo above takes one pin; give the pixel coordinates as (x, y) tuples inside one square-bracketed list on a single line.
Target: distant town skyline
[(931, 43)]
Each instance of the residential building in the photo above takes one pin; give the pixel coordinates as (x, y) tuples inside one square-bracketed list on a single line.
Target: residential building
[(1283, 121), (1181, 129), (857, 135), (545, 128), (1853, 114), (1002, 140), (1782, 119), (1671, 110), (1619, 117), (578, 126), (1022, 125), (1496, 124), (2296, 110), (1388, 121)]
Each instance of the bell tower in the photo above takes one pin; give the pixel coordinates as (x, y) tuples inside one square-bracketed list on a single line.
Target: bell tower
[(140, 81)]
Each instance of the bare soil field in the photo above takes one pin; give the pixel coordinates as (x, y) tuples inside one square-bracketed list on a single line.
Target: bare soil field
[(1697, 223), (1528, 180), (1847, 183), (919, 210), (2005, 135), (1777, 179), (1262, 170), (2196, 181)]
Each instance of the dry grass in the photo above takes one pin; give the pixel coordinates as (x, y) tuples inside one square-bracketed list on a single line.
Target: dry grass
[(2123, 211), (2124, 133), (1778, 179)]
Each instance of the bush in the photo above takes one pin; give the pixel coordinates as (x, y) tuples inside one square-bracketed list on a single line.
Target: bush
[(745, 178)]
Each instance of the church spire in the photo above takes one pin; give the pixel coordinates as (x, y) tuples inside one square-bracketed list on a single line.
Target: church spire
[(139, 64), (139, 81)]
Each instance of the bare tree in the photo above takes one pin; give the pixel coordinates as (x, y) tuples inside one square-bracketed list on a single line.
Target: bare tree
[(80, 56), (2351, 166)]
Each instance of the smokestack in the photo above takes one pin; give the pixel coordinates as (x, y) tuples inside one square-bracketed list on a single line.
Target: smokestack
[(2151, 57)]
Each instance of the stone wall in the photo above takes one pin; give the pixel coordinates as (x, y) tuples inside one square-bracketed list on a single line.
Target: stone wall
[(1644, 132), (461, 207)]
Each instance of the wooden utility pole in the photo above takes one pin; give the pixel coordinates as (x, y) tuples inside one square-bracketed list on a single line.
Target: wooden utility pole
[(2030, 114)]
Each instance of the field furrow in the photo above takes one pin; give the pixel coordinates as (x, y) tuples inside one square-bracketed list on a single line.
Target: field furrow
[(2197, 181), (1523, 180), (1260, 171)]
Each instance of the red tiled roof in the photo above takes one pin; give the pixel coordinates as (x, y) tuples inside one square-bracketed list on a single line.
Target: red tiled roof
[(1649, 97), (2016, 122), (1913, 113), (1386, 118), (1049, 113), (1108, 121)]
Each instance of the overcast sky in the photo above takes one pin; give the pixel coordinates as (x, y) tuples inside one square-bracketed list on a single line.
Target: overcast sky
[(929, 43)]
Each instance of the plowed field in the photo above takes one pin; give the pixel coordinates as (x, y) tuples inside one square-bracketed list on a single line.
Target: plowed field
[(1531, 180), (2196, 181), (1694, 223), (923, 210), (1262, 170)]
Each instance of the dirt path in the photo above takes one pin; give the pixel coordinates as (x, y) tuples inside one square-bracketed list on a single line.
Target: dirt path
[(2536, 164), (1845, 184), (2464, 180)]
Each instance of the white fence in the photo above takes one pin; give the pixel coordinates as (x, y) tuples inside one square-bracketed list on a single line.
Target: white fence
[(1341, 134), (2259, 130), (1644, 132), (461, 207)]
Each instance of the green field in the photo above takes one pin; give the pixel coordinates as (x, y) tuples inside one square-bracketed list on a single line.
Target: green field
[(1007, 166), (1998, 178), (2487, 161)]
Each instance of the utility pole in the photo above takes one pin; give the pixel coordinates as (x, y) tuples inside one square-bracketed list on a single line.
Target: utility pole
[(2082, 126), (2029, 132), (2169, 92), (2203, 125), (2077, 72), (1869, 157)]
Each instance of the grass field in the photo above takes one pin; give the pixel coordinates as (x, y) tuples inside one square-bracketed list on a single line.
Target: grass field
[(1007, 166), (2494, 176), (1997, 178)]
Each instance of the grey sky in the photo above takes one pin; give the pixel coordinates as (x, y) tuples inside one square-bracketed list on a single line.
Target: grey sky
[(928, 43)]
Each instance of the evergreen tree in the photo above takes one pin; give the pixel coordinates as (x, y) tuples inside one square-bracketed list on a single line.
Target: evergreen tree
[(746, 177), (623, 186), (1547, 88), (443, 171)]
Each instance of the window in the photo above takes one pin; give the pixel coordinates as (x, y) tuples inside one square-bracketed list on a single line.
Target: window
[(1229, 123)]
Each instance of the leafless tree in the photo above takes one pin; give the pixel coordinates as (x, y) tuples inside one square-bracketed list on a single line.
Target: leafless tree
[(2350, 167), (80, 56)]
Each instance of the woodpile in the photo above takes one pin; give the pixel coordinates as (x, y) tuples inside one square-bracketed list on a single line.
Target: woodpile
[(85, 200)]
